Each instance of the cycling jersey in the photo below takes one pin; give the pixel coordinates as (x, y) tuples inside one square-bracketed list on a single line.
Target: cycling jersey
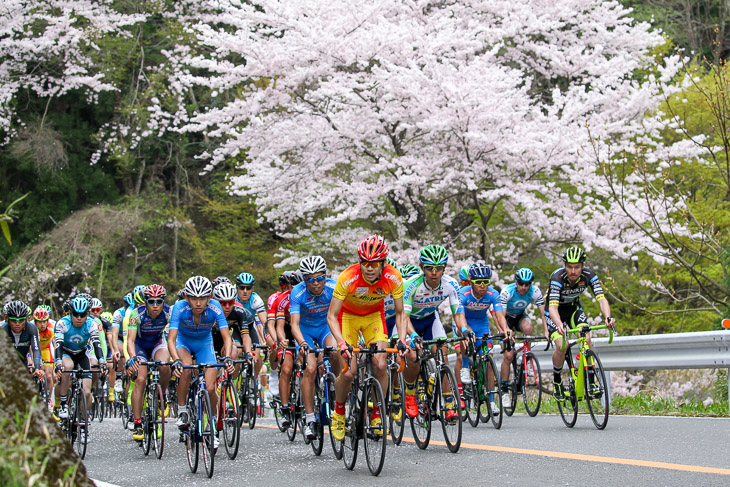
[(476, 311), (564, 293), (515, 303), (282, 306), (182, 320), (45, 339), (361, 297), (73, 340), (255, 305), (240, 322), (117, 319), (149, 329), (271, 305), (312, 311), (25, 342), (419, 301)]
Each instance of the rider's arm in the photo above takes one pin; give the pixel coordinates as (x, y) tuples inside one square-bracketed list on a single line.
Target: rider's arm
[(555, 316), (333, 322), (94, 337), (402, 319), (541, 309), (131, 337), (35, 348), (171, 344), (295, 330)]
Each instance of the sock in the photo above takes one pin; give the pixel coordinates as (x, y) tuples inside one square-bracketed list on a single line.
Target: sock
[(63, 400), (449, 400), (556, 374), (410, 387), (340, 408), (182, 409), (310, 418), (138, 421), (464, 361), (461, 389)]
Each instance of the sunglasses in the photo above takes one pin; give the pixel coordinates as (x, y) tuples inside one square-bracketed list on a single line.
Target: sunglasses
[(312, 280), (522, 283), (480, 282), (155, 301), (95, 310), (79, 315), (243, 287), (434, 268), (230, 302), (16, 319), (372, 264)]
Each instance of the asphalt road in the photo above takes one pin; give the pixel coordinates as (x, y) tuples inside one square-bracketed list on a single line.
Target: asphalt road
[(632, 450)]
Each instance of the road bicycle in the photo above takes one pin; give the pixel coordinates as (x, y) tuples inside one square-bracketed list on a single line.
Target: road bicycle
[(324, 401), (433, 398), (230, 410), (586, 380), (364, 406), (396, 398), (526, 379), (76, 425), (483, 388), (153, 412)]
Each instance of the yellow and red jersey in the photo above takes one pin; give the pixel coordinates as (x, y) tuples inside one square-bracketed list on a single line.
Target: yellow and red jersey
[(46, 342), (361, 297)]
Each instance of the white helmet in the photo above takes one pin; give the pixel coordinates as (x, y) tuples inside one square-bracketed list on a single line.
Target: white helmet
[(96, 303), (198, 287), (225, 291), (312, 265)]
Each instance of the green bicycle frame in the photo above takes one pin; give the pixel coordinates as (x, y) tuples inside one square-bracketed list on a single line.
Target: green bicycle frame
[(579, 375)]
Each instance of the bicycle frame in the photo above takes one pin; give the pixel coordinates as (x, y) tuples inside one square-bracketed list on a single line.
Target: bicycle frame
[(579, 375)]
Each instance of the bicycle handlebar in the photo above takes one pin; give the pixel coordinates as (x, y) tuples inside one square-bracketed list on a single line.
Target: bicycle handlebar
[(373, 351), (585, 328)]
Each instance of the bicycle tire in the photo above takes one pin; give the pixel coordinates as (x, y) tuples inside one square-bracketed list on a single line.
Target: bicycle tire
[(397, 406), (598, 404), (471, 400), (452, 430), (229, 412), (252, 403), (192, 441), (374, 436), (483, 390), (318, 442), (330, 385), (421, 424), (513, 389), (244, 398), (352, 426), (207, 428), (291, 431), (103, 405), (81, 423), (276, 406), (92, 409), (497, 395), (158, 422), (531, 385), (147, 422), (569, 406)]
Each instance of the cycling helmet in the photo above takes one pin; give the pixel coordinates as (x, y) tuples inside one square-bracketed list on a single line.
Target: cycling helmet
[(16, 309), (154, 291), (181, 294), (46, 307), (96, 303), (198, 287), (66, 307), (245, 278), (80, 304), (574, 255), (107, 316), (434, 255), (524, 275), (129, 299), (225, 291), (391, 262), (480, 271), (373, 248), (296, 277), (312, 265), (409, 270), (283, 279), (41, 314), (86, 296), (138, 294), (464, 273), (219, 280)]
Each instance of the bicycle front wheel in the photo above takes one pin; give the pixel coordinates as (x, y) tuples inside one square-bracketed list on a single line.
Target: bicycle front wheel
[(568, 407), (494, 396), (230, 409), (450, 409), (158, 422), (596, 390), (329, 385), (207, 430), (253, 396), (532, 384), (421, 424), (352, 426), (471, 401), (317, 443), (81, 424), (513, 389), (374, 425), (192, 440), (396, 406)]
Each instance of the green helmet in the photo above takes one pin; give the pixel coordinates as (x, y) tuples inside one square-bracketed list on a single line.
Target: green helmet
[(434, 255), (574, 255), (392, 262), (464, 273), (408, 270)]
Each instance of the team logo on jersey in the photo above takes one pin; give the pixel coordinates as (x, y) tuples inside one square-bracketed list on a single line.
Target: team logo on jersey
[(379, 291), (362, 290), (133, 321)]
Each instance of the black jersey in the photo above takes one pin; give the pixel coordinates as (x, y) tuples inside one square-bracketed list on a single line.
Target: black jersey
[(564, 293)]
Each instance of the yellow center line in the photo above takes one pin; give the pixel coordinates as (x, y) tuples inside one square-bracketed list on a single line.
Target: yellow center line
[(577, 456)]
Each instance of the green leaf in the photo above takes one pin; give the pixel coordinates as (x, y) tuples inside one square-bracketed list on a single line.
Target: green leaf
[(6, 231), (16, 201)]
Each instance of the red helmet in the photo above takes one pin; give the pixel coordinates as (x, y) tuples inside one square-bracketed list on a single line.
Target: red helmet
[(154, 291), (373, 248)]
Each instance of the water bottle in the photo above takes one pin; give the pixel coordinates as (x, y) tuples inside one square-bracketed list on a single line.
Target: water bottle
[(431, 382)]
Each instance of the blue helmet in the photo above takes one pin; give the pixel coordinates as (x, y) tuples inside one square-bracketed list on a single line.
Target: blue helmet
[(408, 270), (464, 273), (129, 299), (245, 278), (138, 293), (524, 274), (80, 304), (480, 271)]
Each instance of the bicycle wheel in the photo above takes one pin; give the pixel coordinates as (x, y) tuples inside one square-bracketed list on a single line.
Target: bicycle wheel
[(192, 436), (229, 411), (318, 442), (253, 397), (597, 398), (421, 424), (449, 401), (207, 429), (329, 384), (81, 424), (147, 423), (513, 389), (158, 422), (569, 406), (352, 427), (396, 406), (103, 404), (495, 395), (276, 406), (374, 431), (471, 400), (532, 384), (243, 414), (291, 431)]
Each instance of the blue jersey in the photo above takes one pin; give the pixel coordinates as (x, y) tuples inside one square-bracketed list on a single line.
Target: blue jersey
[(255, 305), (476, 310), (74, 340), (312, 309), (182, 320), (516, 303), (149, 329)]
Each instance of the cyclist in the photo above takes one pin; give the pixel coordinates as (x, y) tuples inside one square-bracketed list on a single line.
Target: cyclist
[(515, 298), (256, 306), (406, 271), (271, 336), (284, 337), (42, 321), (477, 300), (309, 303), (105, 336), (118, 342), (566, 285), (357, 307), (73, 333), (423, 295), (24, 335), (146, 342), (190, 325), (240, 323), (464, 276)]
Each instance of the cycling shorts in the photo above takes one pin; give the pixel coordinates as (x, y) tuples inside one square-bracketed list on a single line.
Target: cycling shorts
[(147, 350), (429, 327), (481, 330), (46, 354), (201, 348), (218, 339), (81, 361), (372, 327), (514, 321), (316, 334), (569, 315)]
